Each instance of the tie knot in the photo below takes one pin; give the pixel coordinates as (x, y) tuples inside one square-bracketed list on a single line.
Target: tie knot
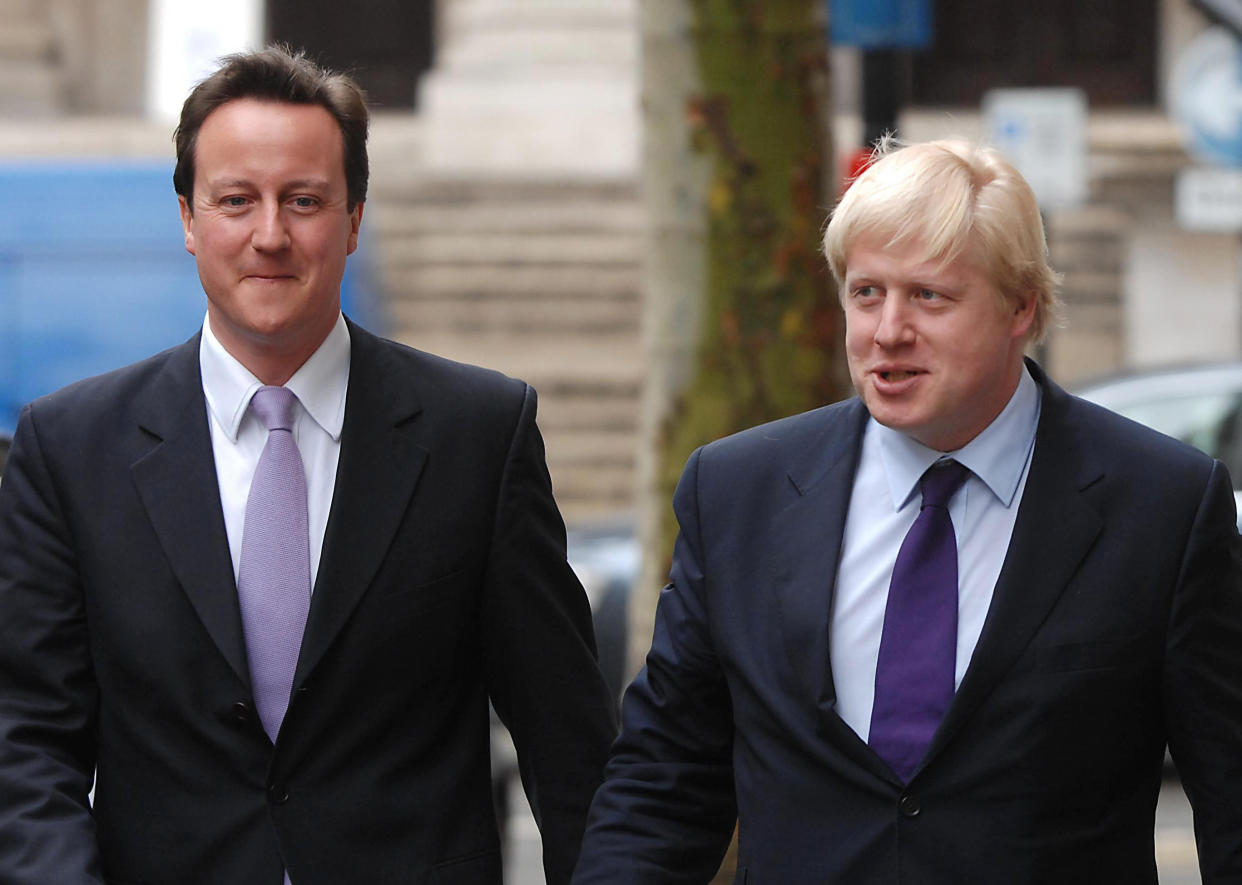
[(940, 481), (274, 406)]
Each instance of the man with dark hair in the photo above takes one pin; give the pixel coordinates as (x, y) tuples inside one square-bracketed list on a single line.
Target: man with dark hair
[(261, 587), (939, 633), (277, 74)]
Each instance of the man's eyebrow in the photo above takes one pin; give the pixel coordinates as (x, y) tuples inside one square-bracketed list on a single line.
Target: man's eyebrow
[(217, 183), (307, 183), (310, 183)]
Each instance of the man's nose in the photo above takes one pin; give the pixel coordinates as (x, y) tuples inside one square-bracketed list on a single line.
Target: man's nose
[(894, 326), (270, 232)]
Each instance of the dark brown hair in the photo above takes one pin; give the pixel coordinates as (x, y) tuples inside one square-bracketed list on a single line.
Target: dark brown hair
[(278, 74)]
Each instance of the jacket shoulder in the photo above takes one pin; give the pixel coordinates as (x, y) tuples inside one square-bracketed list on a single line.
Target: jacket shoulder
[(826, 427), (108, 393), (431, 372), (1123, 441)]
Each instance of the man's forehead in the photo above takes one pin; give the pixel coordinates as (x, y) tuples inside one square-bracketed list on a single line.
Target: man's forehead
[(246, 142), (909, 256), (260, 118)]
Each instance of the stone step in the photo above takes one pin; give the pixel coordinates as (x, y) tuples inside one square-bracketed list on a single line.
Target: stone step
[(435, 281), (613, 409), (474, 16), (528, 46), (1102, 287), (1098, 254), (394, 143), (591, 446), (30, 90), (26, 39), (401, 181), (574, 386), (22, 10), (123, 137), (529, 316), (570, 453), (1089, 220), (518, 249), (583, 88), (551, 363), (588, 479), (542, 215), (584, 494)]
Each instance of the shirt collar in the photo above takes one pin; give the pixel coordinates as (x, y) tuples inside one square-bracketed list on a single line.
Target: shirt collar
[(320, 384), (998, 455)]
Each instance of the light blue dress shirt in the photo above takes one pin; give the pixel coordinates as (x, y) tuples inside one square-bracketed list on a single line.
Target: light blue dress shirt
[(883, 505)]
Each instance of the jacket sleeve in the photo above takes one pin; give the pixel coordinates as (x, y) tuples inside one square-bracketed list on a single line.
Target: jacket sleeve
[(539, 647), (48, 697), (667, 808), (1203, 681)]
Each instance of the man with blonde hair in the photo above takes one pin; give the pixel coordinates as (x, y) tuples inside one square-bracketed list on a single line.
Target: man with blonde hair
[(940, 633)]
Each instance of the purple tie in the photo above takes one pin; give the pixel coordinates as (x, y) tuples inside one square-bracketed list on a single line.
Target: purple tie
[(273, 582), (914, 677)]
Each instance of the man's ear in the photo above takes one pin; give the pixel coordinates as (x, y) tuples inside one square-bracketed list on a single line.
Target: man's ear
[(187, 216), (1022, 315), (355, 221)]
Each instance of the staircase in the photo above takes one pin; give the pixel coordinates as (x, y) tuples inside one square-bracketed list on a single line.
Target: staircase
[(539, 279)]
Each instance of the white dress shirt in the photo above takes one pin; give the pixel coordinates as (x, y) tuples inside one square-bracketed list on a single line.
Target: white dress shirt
[(883, 505), (238, 437)]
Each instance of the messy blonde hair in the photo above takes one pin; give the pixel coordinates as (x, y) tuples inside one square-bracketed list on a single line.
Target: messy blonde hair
[(951, 198)]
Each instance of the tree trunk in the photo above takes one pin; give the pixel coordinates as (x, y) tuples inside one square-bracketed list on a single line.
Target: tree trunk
[(741, 321)]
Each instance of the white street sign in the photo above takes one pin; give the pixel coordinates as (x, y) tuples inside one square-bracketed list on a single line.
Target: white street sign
[(1043, 132), (1209, 199)]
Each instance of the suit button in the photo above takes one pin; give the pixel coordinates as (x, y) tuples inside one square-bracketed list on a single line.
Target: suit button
[(241, 711), (278, 794), (909, 806)]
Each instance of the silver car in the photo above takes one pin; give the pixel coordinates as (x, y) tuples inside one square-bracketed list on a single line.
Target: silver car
[(1200, 405)]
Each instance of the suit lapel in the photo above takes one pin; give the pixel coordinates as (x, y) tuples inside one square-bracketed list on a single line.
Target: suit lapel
[(806, 541), (176, 481), (380, 463), (1055, 528)]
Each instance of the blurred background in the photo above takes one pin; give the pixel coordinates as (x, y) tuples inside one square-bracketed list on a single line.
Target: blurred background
[(554, 185)]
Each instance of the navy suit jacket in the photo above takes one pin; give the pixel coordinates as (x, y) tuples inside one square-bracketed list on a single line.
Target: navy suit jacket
[(1116, 625), (443, 584)]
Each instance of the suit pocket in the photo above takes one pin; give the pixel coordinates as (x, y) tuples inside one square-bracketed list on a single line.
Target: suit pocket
[(430, 590), (1074, 657), (483, 868)]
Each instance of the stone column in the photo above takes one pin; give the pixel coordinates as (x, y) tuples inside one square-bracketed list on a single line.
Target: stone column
[(533, 88)]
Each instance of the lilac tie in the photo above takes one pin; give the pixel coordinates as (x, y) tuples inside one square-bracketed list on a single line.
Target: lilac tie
[(914, 678), (273, 582)]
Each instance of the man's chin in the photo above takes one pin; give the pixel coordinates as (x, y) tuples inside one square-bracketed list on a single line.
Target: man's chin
[(903, 418)]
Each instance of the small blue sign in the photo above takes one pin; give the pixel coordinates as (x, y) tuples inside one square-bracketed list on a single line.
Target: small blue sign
[(880, 24), (1206, 96)]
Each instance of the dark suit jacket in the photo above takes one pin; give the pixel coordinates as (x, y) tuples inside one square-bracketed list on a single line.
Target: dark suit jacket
[(1116, 624), (442, 583)]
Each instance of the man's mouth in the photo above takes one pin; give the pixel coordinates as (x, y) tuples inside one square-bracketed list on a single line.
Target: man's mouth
[(897, 374)]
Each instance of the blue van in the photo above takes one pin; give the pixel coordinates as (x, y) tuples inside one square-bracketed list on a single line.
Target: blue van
[(94, 274)]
